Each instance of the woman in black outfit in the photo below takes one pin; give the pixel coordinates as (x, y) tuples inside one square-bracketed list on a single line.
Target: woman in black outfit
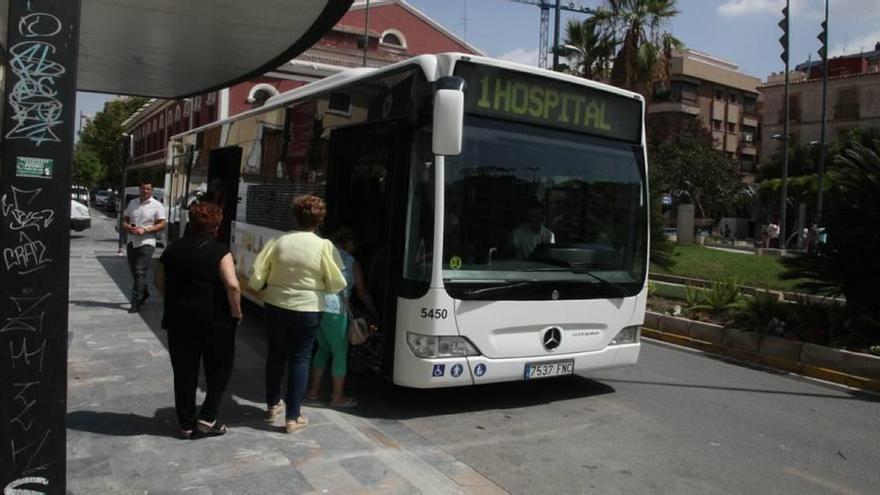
[(202, 309)]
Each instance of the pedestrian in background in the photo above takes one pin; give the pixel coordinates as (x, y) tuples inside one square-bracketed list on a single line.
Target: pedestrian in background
[(144, 217), (196, 275), (292, 274)]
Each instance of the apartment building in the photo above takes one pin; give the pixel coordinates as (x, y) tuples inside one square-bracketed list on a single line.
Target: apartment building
[(721, 96), (853, 100)]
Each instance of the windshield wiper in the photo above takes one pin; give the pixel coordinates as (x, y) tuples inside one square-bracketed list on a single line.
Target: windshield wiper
[(580, 269), (496, 288)]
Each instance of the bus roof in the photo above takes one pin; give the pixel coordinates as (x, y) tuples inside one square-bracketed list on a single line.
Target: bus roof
[(431, 65)]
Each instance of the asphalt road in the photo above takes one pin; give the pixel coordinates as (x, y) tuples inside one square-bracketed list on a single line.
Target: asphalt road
[(679, 422)]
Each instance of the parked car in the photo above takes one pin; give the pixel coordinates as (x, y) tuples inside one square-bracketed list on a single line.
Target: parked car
[(80, 218), (80, 193), (104, 199)]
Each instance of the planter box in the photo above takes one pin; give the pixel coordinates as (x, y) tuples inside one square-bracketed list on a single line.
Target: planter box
[(781, 348), (652, 319), (863, 365), (823, 357), (675, 325), (707, 332), (740, 339)]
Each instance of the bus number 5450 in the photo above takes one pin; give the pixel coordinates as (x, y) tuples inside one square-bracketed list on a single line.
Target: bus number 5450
[(435, 313)]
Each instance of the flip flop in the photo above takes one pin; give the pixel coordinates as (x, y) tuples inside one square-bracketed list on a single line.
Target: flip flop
[(187, 434), (216, 428)]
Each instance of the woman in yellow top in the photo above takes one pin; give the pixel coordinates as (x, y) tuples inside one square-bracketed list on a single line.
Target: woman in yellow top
[(292, 273)]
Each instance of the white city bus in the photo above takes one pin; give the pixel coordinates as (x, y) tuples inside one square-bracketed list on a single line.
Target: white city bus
[(502, 209)]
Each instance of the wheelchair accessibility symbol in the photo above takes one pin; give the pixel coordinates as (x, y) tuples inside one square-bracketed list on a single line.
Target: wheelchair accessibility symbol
[(439, 370), (480, 369), (456, 370)]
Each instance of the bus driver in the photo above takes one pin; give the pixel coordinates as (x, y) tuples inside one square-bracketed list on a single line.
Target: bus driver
[(529, 234)]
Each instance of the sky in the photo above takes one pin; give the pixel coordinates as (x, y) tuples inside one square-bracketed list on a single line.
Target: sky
[(744, 32)]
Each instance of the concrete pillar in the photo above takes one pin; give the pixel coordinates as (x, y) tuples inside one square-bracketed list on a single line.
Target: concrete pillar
[(685, 224), (35, 175)]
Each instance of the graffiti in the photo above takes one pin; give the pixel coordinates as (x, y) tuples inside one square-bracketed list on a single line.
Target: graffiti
[(35, 447), (28, 405), (26, 257), (28, 318), (25, 355), (19, 216), (13, 487), (39, 24), (36, 109)]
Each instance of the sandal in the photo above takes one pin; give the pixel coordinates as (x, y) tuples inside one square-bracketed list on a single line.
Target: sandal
[(275, 410), (187, 434), (349, 403), (216, 428), (295, 425)]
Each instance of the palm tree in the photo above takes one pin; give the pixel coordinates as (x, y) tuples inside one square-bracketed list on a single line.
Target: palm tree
[(644, 47), (589, 50)]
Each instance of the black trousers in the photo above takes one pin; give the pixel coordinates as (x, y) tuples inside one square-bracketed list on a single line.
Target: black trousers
[(215, 347), (138, 263)]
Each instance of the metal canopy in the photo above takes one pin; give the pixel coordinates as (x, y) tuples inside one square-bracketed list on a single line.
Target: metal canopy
[(173, 48)]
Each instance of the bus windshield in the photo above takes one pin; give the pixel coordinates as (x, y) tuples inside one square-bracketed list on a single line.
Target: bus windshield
[(538, 213)]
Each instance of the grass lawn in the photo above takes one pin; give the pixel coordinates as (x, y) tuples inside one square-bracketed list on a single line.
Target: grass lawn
[(711, 264)]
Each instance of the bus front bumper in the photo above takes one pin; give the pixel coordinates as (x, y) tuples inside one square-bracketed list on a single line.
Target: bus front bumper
[(456, 372)]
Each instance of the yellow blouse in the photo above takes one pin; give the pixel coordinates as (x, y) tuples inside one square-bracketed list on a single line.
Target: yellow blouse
[(295, 270)]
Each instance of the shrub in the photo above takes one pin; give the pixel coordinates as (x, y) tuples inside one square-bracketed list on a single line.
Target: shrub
[(720, 298)]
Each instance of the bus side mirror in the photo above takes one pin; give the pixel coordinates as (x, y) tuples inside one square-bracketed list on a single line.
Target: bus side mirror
[(448, 115)]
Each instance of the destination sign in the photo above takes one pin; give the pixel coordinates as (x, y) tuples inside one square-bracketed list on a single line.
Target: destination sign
[(523, 97)]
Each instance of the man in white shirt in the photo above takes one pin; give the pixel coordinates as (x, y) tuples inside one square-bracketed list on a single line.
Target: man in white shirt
[(526, 237), (143, 219)]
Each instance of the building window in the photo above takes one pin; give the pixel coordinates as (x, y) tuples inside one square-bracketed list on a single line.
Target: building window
[(716, 124), (162, 122), (340, 104), (393, 38), (197, 103), (212, 98), (177, 114), (187, 107), (719, 94), (731, 98), (847, 104), (750, 104), (731, 127)]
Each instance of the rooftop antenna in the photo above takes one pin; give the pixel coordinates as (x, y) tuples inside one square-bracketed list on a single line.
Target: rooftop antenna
[(464, 19)]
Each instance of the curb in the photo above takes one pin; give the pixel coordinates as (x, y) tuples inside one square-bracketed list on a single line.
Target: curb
[(770, 361)]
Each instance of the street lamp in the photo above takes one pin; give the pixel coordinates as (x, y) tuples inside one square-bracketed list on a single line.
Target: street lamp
[(572, 47), (783, 203)]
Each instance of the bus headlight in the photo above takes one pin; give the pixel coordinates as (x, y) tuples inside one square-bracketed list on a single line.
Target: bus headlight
[(431, 346), (629, 335)]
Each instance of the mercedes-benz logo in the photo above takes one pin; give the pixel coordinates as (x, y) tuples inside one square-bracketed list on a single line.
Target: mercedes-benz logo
[(552, 339)]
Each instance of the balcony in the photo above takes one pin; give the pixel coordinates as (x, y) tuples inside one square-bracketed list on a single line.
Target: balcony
[(673, 107)]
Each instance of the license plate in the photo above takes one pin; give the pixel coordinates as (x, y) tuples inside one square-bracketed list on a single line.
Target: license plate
[(548, 369)]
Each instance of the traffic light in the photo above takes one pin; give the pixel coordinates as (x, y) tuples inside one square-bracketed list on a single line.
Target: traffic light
[(823, 39), (783, 40)]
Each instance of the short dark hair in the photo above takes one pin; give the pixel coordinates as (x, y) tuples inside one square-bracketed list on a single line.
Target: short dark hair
[(204, 218), (343, 235), (309, 211)]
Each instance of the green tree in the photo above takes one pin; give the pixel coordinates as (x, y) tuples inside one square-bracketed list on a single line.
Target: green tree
[(684, 163), (848, 263), (802, 159), (87, 167), (644, 47), (103, 135), (591, 56)]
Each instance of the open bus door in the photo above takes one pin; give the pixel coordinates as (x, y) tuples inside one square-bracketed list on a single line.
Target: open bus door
[(224, 170), (366, 191)]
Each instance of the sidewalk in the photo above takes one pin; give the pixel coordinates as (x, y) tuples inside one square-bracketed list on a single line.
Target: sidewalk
[(121, 427)]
